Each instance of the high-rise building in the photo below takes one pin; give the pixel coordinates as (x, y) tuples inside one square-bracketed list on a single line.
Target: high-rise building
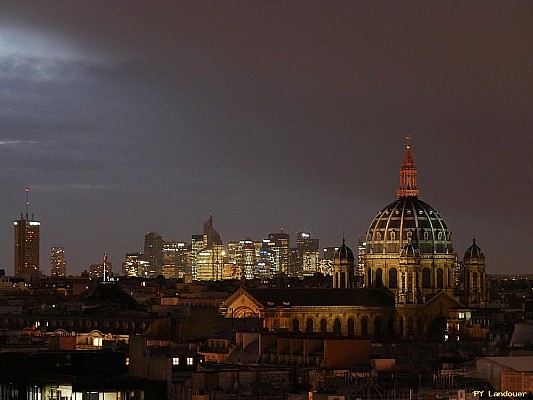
[(308, 251), (27, 232), (135, 265), (97, 270), (153, 251), (174, 259), (210, 259), (245, 255), (279, 245), (58, 265), (198, 243)]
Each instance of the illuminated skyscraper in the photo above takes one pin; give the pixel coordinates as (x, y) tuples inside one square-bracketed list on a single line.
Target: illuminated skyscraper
[(279, 245), (174, 259), (58, 265), (27, 233), (210, 259), (135, 265), (308, 251), (198, 243), (153, 251), (97, 270)]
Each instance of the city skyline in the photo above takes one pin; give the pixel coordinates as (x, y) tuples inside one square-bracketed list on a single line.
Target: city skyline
[(130, 117)]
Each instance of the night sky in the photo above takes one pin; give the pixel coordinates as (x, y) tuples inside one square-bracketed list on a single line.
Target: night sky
[(131, 116)]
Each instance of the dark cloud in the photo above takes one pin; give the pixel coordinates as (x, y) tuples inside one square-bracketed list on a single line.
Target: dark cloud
[(129, 116)]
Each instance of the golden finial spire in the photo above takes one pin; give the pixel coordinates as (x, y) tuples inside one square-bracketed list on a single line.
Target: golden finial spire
[(408, 141)]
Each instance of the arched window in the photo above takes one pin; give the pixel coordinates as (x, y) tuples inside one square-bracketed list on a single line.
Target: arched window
[(337, 327), (426, 235), (439, 236), (474, 282), (351, 327), (295, 325), (440, 278), (309, 326), (379, 277), (426, 278), (342, 283), (377, 327), (364, 327), (378, 235), (369, 277), (392, 235), (393, 278), (323, 325)]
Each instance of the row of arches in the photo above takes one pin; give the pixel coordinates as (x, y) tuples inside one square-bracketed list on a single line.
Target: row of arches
[(424, 235), (365, 326), (394, 281)]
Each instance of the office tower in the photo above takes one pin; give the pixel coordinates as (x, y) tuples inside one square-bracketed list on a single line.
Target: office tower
[(135, 264), (174, 259), (210, 260), (266, 267), (279, 245), (97, 270), (198, 243), (308, 251), (58, 265), (329, 252), (153, 251), (27, 233), (245, 255)]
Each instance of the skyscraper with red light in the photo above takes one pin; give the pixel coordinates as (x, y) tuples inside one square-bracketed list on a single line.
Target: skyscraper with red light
[(27, 232)]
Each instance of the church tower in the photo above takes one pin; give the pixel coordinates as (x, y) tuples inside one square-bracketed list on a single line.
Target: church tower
[(343, 268), (475, 290)]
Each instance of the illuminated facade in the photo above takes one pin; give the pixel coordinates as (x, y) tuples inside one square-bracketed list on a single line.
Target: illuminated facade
[(58, 265), (308, 251), (408, 244), (101, 270), (135, 265), (175, 256), (27, 233), (210, 259), (244, 255), (279, 246)]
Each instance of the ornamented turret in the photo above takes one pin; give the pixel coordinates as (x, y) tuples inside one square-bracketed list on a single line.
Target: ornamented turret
[(474, 276), (343, 268), (408, 173)]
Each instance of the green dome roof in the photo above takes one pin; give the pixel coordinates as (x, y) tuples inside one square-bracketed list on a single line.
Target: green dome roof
[(408, 220)]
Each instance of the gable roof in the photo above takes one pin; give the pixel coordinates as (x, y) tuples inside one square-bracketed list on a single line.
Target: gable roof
[(307, 297)]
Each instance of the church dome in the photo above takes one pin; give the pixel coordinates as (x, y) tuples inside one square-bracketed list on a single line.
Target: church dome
[(473, 253), (344, 254), (405, 220), (408, 220)]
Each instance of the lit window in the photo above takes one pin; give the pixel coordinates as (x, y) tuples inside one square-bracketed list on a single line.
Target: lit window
[(175, 361), (189, 361), (127, 361)]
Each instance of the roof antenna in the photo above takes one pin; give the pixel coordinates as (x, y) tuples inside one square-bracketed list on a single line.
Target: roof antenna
[(27, 201)]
